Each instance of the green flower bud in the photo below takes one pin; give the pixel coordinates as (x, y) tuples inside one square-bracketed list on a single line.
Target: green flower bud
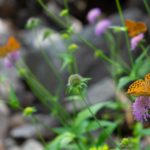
[(74, 80), (28, 111), (65, 36), (46, 33), (64, 13), (72, 47), (33, 23), (22, 71), (98, 53)]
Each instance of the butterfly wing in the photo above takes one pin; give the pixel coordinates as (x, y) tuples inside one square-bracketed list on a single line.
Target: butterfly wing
[(3, 51), (135, 28), (12, 44), (130, 27), (147, 81), (140, 28), (138, 88)]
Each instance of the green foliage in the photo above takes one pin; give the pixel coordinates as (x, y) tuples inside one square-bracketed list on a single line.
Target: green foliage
[(64, 12), (130, 144), (28, 111), (76, 87), (13, 100), (60, 141), (46, 33), (33, 23), (76, 128)]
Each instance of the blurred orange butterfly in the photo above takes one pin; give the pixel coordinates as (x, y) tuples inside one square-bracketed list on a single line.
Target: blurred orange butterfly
[(140, 87), (11, 46), (135, 28)]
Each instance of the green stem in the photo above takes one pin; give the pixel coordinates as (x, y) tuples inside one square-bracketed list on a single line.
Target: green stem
[(45, 96), (147, 6), (144, 51), (97, 121), (75, 65), (52, 67), (35, 123), (111, 44), (126, 35), (51, 15), (95, 49)]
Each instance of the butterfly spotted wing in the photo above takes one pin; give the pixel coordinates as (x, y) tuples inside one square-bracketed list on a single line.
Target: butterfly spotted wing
[(140, 87), (135, 28), (4, 50), (12, 44)]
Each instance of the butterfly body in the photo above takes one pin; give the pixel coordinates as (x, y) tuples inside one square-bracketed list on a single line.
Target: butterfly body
[(135, 28), (140, 87)]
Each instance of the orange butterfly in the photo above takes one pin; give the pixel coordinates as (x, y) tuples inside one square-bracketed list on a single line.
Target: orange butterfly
[(11, 46), (135, 28), (140, 87)]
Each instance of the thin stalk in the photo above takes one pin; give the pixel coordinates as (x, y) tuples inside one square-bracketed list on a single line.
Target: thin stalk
[(97, 121), (75, 65), (144, 51), (95, 49), (34, 121), (67, 17), (30, 80), (111, 44), (146, 6), (126, 35), (51, 15), (51, 66)]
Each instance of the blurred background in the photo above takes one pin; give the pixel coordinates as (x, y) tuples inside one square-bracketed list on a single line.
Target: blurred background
[(17, 132)]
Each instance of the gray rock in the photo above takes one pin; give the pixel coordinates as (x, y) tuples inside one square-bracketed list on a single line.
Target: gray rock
[(23, 127), (138, 4), (4, 121), (25, 131), (9, 143), (101, 91), (32, 144), (15, 148)]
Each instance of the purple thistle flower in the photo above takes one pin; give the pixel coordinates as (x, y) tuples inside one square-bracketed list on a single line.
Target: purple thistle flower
[(135, 40), (141, 108), (11, 59), (102, 26), (93, 14)]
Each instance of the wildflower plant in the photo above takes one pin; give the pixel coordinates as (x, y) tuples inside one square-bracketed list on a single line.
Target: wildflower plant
[(75, 130), (76, 86)]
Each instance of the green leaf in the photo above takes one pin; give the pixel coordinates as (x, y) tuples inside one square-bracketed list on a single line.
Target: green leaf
[(93, 125), (64, 12), (139, 62), (145, 132), (123, 81), (141, 57), (84, 114), (105, 133), (13, 100), (60, 141), (46, 33), (145, 67), (33, 23), (67, 59)]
